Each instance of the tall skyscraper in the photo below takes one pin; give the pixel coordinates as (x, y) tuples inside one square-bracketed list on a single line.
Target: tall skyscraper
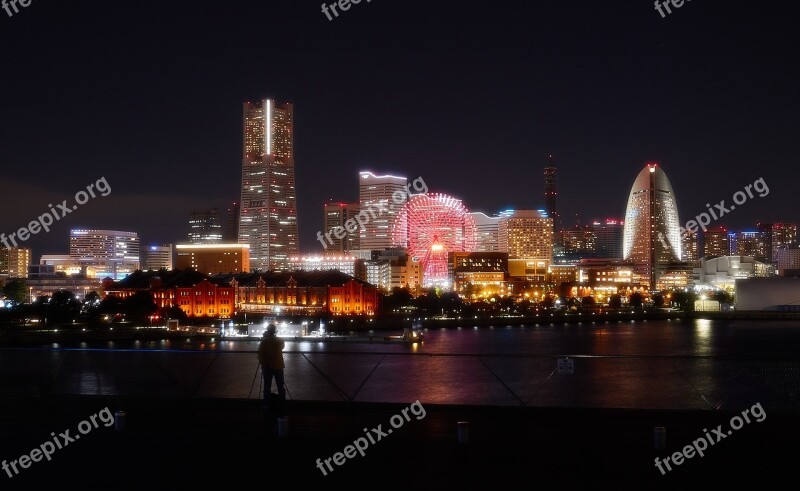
[(381, 195), (268, 219), (110, 253), (716, 242), (487, 232), (527, 234), (335, 218), (550, 195), (205, 226), (651, 237), (608, 238)]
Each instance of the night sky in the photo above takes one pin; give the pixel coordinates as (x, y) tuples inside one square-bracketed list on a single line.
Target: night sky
[(472, 96)]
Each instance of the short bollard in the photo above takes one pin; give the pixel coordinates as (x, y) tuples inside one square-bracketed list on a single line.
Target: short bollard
[(463, 432), (119, 420), (283, 427), (660, 437)]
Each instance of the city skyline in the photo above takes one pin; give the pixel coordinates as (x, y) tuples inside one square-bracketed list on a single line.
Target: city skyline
[(691, 132)]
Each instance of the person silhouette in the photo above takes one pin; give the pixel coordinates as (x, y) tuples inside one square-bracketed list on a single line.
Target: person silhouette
[(270, 356)]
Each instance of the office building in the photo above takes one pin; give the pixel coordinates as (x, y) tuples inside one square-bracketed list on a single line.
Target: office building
[(578, 242), (268, 219), (330, 262), (608, 238), (716, 242), (158, 257), (787, 259), (752, 244), (532, 271), (777, 235), (484, 271), (230, 225), (689, 247), (651, 236), (337, 219), (551, 195), (15, 261), (383, 197), (214, 258), (487, 232), (378, 273), (563, 273), (205, 227), (109, 253), (527, 234)]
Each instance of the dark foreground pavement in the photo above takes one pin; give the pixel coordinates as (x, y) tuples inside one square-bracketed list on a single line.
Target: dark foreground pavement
[(228, 444)]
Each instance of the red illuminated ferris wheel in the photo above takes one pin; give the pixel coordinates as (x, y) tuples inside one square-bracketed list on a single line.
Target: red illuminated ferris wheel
[(430, 226)]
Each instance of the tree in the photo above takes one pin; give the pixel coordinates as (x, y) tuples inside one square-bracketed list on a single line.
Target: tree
[(658, 300), (636, 300), (588, 301), (139, 306), (615, 301), (400, 297), (16, 290), (722, 296)]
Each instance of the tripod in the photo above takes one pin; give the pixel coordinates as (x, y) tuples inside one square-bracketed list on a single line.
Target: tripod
[(261, 385)]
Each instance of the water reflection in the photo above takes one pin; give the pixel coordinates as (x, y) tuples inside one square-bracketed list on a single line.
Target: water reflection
[(702, 342)]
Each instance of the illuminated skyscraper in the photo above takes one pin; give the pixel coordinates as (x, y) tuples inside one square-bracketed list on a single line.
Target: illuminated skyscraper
[(383, 197), (651, 236), (487, 232), (335, 219), (109, 253), (689, 247), (579, 242), (753, 244), (205, 227), (527, 234), (777, 235), (608, 238), (15, 261), (716, 242), (268, 217)]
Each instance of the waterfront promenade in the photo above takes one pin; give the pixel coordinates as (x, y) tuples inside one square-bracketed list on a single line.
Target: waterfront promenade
[(193, 417), (227, 444)]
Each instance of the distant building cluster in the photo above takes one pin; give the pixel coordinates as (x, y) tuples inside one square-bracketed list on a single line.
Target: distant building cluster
[(399, 236)]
